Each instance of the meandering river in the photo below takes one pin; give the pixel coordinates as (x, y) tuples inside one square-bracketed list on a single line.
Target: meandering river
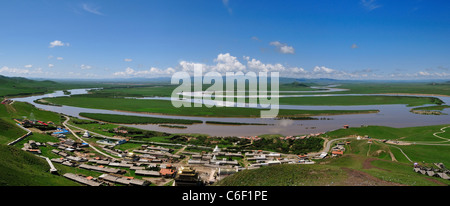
[(390, 115)]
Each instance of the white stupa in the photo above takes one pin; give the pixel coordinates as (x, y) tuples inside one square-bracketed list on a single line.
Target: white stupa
[(216, 149), (86, 134)]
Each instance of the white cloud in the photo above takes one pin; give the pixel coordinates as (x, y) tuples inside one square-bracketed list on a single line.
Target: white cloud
[(28, 66), (19, 72), (283, 48), (91, 9), (227, 63), (354, 46), (84, 67), (259, 66), (51, 65), (128, 60), (58, 43), (370, 4), (59, 58), (5, 70), (323, 69)]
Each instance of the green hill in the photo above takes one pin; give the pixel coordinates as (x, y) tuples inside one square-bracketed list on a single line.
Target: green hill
[(19, 86), (19, 168), (9, 131), (286, 175)]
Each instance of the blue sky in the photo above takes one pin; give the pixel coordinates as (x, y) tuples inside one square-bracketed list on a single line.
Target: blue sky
[(345, 39)]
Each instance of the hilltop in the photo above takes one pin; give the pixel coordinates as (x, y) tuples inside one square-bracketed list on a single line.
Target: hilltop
[(15, 86)]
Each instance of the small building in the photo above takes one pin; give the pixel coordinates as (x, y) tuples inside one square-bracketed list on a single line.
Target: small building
[(86, 134), (82, 180), (337, 153), (166, 172), (61, 131), (147, 173)]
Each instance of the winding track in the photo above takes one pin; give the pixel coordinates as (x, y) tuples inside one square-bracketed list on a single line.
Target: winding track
[(65, 125)]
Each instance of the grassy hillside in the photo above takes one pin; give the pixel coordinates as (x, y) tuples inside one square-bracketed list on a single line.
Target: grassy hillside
[(423, 133), (286, 175), (9, 130), (19, 168), (13, 86)]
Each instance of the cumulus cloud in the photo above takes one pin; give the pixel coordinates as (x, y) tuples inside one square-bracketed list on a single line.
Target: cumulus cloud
[(227, 63), (323, 69), (58, 43), (51, 65), (257, 65), (283, 48), (128, 60), (28, 66)]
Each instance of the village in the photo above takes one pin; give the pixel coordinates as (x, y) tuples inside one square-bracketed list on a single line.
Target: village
[(154, 164)]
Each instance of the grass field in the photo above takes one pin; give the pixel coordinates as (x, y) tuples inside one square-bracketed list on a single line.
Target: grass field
[(432, 108), (126, 119), (286, 175), (395, 87), (165, 107), (18, 86), (360, 100), (19, 168), (423, 133)]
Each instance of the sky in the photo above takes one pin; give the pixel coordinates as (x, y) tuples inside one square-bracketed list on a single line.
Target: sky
[(345, 39)]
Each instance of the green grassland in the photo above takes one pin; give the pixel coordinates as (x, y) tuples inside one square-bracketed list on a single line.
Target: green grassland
[(432, 108), (136, 91), (19, 86), (360, 100), (399, 87), (165, 107), (19, 168), (423, 133), (285, 175), (20, 110), (127, 119)]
